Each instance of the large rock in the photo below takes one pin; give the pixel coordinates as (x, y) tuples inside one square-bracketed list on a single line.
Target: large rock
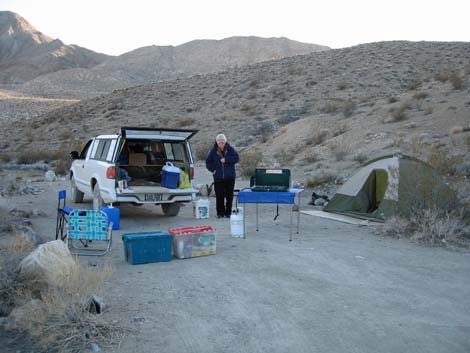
[(48, 265)]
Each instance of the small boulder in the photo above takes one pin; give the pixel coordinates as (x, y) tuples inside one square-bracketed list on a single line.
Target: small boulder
[(50, 176), (49, 265)]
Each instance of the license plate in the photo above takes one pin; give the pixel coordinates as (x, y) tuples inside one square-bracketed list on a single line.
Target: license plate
[(153, 197)]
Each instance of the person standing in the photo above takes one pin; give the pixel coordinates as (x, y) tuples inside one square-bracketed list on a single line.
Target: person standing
[(221, 163)]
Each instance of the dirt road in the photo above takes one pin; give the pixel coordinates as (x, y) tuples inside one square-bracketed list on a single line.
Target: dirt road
[(334, 288)]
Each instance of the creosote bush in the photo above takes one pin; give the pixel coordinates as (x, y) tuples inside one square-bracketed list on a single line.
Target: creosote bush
[(428, 226), (249, 160), (318, 137)]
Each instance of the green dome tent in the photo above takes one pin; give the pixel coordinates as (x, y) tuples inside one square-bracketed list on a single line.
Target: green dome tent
[(392, 185)]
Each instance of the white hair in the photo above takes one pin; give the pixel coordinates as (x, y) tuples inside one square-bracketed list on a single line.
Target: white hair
[(221, 137)]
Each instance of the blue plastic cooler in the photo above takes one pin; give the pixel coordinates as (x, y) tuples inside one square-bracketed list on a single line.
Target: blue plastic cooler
[(142, 248), (114, 215), (170, 176)]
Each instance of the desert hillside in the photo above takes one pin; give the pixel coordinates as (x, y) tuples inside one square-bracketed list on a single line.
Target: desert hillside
[(321, 114), (156, 63), (26, 53)]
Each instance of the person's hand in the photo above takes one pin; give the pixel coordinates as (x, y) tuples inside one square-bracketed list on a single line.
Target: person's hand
[(222, 160)]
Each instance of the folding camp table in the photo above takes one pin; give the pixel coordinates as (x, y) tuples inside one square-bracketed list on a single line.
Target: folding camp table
[(270, 197)]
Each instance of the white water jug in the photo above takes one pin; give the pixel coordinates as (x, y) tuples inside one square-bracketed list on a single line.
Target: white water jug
[(236, 223)]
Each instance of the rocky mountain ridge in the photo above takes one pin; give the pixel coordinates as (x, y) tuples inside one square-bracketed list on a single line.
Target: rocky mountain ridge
[(26, 53), (157, 63)]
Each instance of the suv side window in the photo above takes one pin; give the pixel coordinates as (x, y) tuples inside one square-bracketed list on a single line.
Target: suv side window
[(85, 149), (175, 151), (102, 150)]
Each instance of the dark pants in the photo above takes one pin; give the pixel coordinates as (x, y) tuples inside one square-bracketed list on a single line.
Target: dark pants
[(224, 196)]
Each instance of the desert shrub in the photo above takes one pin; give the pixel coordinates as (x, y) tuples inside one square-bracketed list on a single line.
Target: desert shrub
[(284, 157), (444, 162), (360, 158), (420, 95), (347, 107), (342, 85), (338, 152), (251, 95), (248, 109), (201, 150), (442, 75), (311, 157), (428, 110), (456, 80), (291, 115), (340, 129), (318, 137), (249, 160), (456, 130), (33, 156), (330, 108), (5, 157), (320, 179), (415, 84), (295, 70), (392, 100), (430, 226), (254, 83), (397, 114), (186, 122)]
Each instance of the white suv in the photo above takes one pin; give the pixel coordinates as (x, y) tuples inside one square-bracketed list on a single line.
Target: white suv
[(127, 167)]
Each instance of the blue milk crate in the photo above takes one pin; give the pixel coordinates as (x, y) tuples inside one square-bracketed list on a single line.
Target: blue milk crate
[(142, 248)]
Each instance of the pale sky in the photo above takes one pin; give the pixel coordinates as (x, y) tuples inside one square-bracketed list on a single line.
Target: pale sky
[(117, 26)]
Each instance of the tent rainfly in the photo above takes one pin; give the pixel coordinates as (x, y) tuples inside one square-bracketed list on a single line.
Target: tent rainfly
[(392, 185)]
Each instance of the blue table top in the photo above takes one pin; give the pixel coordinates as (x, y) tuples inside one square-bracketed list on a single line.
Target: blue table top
[(284, 197)]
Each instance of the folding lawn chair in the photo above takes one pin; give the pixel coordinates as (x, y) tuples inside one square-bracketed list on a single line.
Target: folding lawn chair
[(63, 212), (86, 229)]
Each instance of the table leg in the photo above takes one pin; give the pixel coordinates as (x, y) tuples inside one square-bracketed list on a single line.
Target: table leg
[(298, 214), (290, 225), (244, 216), (257, 225)]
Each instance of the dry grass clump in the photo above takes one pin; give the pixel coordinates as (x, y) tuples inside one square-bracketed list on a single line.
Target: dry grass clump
[(318, 137), (61, 320), (249, 160), (428, 226), (184, 122), (320, 179), (201, 150), (284, 157), (397, 114), (456, 80), (347, 107), (56, 319), (443, 161)]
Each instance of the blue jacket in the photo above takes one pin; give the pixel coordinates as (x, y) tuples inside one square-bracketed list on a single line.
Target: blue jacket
[(222, 170)]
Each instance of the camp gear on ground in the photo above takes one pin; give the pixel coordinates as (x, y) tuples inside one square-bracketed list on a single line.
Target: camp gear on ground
[(193, 241), (142, 248)]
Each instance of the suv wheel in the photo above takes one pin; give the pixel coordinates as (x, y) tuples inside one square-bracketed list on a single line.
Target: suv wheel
[(77, 195), (97, 200), (171, 209)]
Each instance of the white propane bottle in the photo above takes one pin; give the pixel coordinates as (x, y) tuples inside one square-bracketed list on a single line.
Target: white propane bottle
[(236, 223)]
